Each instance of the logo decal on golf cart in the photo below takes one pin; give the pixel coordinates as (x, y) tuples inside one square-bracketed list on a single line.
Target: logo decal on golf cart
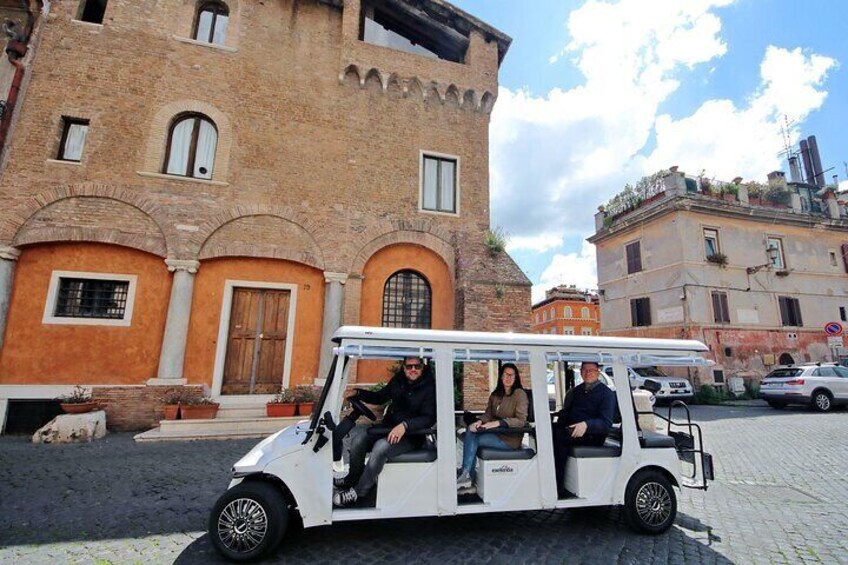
[(503, 469)]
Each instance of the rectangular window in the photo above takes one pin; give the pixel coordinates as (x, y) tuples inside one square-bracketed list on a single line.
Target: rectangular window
[(438, 179), (774, 247), (842, 316), (640, 312), (411, 29), (711, 246), (90, 299), (718, 376), (833, 262), (74, 132), (790, 311), (92, 11), (634, 257), (568, 331), (721, 313), (586, 331)]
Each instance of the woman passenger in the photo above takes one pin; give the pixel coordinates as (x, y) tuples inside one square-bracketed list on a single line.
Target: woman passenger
[(507, 408)]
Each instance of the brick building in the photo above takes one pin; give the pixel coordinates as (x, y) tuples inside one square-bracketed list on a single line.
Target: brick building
[(199, 193), (566, 311), (753, 271)]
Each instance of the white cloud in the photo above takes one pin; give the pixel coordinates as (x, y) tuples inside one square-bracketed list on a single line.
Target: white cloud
[(578, 269), (555, 157)]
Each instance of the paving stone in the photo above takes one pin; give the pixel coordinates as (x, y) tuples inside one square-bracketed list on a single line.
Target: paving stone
[(779, 498)]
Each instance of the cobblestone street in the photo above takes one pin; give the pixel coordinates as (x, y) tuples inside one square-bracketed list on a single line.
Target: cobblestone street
[(779, 498)]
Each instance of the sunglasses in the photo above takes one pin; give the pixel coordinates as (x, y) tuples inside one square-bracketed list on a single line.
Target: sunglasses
[(413, 366)]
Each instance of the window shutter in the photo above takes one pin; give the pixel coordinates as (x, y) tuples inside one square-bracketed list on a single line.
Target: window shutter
[(784, 311), (634, 257), (724, 308), (796, 307), (845, 256), (634, 312), (646, 306)]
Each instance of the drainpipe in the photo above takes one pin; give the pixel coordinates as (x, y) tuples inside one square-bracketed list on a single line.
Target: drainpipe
[(16, 49)]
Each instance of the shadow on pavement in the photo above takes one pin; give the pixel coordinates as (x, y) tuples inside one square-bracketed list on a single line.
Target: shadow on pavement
[(726, 412)]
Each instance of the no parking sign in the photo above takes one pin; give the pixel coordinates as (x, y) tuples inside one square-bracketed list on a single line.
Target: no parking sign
[(833, 328)]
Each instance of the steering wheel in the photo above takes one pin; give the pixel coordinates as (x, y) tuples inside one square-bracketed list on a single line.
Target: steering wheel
[(360, 407)]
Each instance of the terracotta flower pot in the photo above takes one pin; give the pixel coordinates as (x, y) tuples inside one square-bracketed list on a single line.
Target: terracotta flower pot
[(199, 411), (80, 407), (304, 408), (276, 410), (172, 411)]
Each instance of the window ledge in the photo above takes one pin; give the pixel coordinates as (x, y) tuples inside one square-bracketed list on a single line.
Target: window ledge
[(92, 25), (205, 44), (181, 179), (63, 162), (439, 213)]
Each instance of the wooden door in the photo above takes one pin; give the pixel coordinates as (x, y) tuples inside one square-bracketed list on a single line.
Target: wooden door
[(256, 343)]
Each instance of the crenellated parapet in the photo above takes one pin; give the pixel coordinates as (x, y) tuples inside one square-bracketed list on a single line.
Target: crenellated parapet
[(417, 89)]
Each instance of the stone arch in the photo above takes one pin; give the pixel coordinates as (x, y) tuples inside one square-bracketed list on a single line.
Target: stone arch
[(351, 76), (430, 241), (395, 87), (469, 100), (263, 235), (373, 79), (157, 137), (12, 229), (432, 94), (452, 97), (786, 359), (487, 102), (93, 218), (415, 89), (314, 254)]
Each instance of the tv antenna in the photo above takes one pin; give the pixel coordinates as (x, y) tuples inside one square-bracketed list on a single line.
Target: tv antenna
[(787, 142)]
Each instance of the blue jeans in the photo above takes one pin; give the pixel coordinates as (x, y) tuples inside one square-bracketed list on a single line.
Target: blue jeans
[(471, 441)]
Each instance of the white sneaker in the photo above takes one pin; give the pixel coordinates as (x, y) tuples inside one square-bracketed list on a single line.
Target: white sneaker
[(463, 480), (467, 490), (345, 498)]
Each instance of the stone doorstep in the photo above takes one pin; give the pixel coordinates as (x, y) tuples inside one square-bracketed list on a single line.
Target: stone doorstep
[(217, 428)]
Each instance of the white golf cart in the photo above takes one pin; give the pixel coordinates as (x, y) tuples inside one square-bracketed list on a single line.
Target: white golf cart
[(290, 474)]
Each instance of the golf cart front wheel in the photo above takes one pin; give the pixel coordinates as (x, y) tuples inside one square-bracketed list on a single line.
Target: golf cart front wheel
[(248, 521), (650, 503)]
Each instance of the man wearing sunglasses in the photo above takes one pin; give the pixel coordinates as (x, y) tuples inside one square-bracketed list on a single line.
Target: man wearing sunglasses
[(413, 409)]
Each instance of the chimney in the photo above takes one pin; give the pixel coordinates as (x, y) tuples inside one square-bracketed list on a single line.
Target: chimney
[(794, 171), (808, 163), (674, 183), (600, 216), (818, 175), (777, 178)]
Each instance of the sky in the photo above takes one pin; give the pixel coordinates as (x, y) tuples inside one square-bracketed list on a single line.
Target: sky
[(595, 94)]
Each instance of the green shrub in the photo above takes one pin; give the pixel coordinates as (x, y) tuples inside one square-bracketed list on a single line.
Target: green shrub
[(708, 394)]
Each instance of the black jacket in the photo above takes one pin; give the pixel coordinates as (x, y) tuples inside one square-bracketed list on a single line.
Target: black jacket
[(596, 407), (413, 402)]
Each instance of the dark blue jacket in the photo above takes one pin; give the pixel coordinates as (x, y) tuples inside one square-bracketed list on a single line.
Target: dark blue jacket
[(596, 407)]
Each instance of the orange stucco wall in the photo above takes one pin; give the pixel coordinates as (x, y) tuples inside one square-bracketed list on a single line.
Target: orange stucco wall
[(206, 313), (378, 269), (37, 353)]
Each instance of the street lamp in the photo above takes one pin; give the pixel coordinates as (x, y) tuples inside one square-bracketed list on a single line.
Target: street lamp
[(772, 252)]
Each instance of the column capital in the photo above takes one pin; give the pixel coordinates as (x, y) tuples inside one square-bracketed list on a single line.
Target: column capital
[(331, 277), (9, 253), (187, 265)]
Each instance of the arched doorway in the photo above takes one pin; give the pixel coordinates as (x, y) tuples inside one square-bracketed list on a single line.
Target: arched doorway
[(786, 359)]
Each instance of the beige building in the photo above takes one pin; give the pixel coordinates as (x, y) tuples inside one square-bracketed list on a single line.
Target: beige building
[(199, 193), (755, 280)]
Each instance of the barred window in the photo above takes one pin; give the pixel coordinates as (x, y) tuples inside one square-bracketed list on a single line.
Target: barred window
[(91, 298), (407, 301)]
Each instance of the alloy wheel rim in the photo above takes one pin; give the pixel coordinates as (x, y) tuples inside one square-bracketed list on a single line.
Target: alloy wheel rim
[(242, 525), (822, 401), (653, 503)]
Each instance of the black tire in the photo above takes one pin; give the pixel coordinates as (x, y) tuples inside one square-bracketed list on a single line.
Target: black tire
[(778, 405), (822, 401), (248, 521), (650, 503)]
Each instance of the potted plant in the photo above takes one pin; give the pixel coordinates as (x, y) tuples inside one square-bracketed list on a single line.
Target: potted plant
[(202, 408), (305, 396), (282, 405), (171, 404), (78, 402), (718, 258)]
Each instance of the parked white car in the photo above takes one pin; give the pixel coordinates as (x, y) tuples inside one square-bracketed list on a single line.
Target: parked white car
[(819, 385), (289, 475), (671, 388)]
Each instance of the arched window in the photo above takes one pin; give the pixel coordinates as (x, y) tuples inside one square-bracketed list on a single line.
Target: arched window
[(211, 24), (584, 312), (191, 147), (553, 313), (566, 312), (407, 301)]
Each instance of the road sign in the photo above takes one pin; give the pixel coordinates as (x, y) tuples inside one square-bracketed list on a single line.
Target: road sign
[(834, 341), (833, 328)]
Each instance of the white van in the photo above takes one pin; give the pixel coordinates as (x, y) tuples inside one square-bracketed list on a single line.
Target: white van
[(290, 474)]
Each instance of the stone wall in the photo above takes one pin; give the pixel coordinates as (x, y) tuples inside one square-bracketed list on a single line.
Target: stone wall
[(131, 408)]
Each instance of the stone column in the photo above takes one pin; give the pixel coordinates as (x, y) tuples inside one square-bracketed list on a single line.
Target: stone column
[(333, 309), (172, 357), (8, 257)]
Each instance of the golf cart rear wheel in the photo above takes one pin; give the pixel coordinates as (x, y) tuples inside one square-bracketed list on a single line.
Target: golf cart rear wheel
[(248, 521), (650, 503)]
